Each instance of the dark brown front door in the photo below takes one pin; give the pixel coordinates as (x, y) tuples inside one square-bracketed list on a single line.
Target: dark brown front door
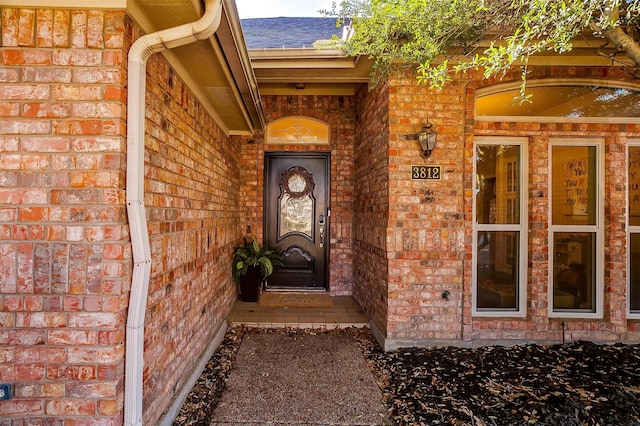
[(297, 218)]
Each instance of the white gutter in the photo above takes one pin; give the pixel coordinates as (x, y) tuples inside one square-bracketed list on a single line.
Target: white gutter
[(140, 51)]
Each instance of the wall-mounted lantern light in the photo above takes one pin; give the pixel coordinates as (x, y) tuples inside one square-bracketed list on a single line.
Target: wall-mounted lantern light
[(427, 140)]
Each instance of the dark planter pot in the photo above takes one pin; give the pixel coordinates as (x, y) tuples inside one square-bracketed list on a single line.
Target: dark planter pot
[(250, 284)]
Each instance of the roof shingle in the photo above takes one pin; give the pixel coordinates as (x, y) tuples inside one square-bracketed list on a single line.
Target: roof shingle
[(287, 32)]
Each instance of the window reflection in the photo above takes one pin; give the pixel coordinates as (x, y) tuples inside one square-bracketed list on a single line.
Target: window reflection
[(498, 184), (634, 290), (498, 256), (562, 101), (633, 171), (574, 268), (574, 185)]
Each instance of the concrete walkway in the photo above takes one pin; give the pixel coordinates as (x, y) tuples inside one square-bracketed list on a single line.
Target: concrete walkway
[(301, 380)]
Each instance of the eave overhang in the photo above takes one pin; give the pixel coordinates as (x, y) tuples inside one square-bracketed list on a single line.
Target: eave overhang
[(218, 70), (309, 71)]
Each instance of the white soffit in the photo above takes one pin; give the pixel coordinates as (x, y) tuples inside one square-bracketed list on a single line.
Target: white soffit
[(219, 65)]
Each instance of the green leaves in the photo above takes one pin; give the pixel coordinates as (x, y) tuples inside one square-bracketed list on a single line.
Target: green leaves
[(442, 36), (252, 254)]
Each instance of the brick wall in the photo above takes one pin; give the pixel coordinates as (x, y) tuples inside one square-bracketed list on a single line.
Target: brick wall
[(64, 237), (64, 244), (426, 229), (371, 207), (339, 112), (192, 175), (429, 224)]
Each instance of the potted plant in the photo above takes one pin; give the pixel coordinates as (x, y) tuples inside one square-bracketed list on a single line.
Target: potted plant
[(252, 264)]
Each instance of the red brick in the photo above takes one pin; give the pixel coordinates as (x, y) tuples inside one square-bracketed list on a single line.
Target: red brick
[(25, 57), (9, 75), (8, 214), (45, 144), (91, 390), (94, 320), (33, 303), (44, 28), (7, 320), (109, 407), (114, 41), (109, 372), (79, 58), (98, 110), (21, 407), (23, 196), (113, 127), (98, 144), (61, 22), (30, 372), (98, 75), (26, 25), (13, 303), (25, 277), (77, 127), (40, 355), (113, 58), (71, 372), (24, 91), (111, 338), (76, 92), (25, 127), (9, 109), (79, 196), (114, 93), (49, 110), (41, 320), (70, 407), (36, 390), (46, 75), (93, 179), (8, 144), (96, 355), (78, 28), (95, 28), (10, 26)]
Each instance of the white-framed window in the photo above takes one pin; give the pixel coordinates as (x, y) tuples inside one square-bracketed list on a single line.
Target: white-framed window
[(633, 228), (576, 212), (499, 278), (561, 100)]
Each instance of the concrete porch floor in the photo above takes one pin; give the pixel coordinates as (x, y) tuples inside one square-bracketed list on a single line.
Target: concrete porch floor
[(344, 313)]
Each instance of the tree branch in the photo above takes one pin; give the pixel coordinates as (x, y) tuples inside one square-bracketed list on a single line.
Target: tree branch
[(626, 44)]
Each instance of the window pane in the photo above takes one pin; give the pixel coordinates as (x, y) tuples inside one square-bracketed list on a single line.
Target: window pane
[(574, 185), (635, 273), (498, 257), (562, 101), (497, 184), (574, 269), (634, 185)]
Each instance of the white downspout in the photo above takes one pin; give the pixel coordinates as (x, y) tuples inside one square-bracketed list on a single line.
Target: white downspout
[(140, 51)]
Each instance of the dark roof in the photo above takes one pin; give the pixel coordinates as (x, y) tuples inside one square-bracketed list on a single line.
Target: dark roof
[(285, 32)]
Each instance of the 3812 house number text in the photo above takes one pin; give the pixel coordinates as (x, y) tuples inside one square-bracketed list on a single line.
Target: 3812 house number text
[(425, 172)]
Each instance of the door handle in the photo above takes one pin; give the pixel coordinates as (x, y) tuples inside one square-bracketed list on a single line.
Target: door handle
[(321, 230)]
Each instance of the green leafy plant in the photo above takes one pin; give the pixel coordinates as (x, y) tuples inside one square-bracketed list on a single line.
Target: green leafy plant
[(253, 254), (447, 36)]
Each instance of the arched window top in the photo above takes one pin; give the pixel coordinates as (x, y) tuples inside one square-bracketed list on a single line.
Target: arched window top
[(566, 101), (298, 129)]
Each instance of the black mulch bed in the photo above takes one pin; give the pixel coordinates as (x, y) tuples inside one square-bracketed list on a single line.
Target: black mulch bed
[(579, 383)]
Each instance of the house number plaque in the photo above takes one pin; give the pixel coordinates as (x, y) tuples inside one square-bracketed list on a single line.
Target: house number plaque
[(425, 172)]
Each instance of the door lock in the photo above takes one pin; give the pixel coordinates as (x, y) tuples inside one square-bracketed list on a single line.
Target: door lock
[(321, 230)]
